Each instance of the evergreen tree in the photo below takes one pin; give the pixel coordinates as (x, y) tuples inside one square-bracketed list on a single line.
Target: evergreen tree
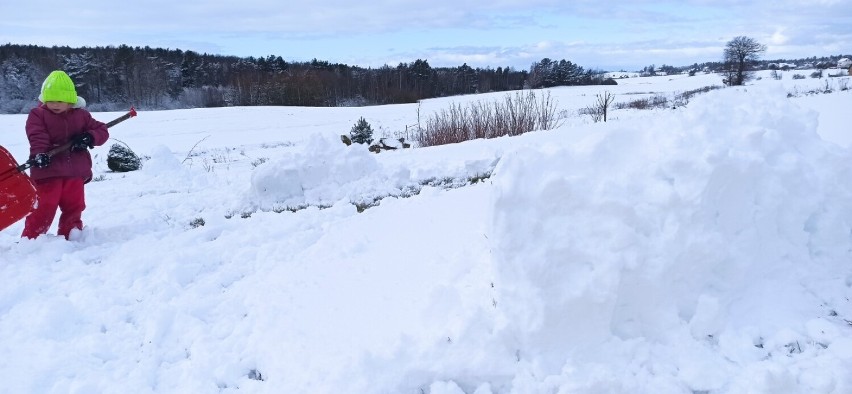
[(189, 69), (361, 132), (421, 72), (20, 83)]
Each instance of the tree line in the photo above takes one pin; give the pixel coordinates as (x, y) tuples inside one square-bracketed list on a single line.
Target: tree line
[(111, 78)]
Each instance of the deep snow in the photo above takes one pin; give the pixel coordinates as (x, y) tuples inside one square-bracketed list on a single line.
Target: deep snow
[(703, 249)]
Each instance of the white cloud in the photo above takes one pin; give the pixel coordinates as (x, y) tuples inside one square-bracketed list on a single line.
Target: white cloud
[(778, 38)]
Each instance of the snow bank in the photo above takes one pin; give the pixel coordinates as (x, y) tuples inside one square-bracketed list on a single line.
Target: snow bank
[(658, 256), (325, 172)]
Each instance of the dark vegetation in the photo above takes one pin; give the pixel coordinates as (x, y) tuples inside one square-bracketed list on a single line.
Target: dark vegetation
[(112, 78)]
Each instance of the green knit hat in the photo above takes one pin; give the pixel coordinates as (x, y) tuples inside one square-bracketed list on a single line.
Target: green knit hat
[(58, 87)]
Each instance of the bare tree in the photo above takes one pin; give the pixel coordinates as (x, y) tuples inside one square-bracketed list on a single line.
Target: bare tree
[(741, 54)]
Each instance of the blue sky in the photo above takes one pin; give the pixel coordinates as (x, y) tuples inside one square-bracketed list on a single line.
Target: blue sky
[(603, 34)]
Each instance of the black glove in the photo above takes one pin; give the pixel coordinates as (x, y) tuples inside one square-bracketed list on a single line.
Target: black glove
[(82, 142), (41, 160)]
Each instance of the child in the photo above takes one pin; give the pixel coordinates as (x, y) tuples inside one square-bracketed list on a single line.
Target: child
[(59, 179)]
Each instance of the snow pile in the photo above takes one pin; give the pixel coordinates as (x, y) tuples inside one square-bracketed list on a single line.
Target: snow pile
[(704, 251), (325, 172)]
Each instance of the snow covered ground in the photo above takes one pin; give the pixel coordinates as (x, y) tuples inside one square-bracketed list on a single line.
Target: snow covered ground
[(701, 249)]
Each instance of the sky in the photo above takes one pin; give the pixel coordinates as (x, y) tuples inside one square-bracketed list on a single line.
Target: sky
[(704, 248), (607, 35)]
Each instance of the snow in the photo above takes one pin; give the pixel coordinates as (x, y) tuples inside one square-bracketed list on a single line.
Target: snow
[(701, 249)]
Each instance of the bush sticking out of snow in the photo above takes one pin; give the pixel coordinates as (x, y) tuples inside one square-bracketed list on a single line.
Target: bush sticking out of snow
[(122, 159)]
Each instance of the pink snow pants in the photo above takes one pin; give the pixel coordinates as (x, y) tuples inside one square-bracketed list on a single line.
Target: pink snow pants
[(64, 193)]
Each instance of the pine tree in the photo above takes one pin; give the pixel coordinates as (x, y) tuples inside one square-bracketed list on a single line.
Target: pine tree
[(361, 132)]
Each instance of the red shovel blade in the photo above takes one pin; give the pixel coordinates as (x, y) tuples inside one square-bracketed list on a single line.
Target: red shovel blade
[(17, 193)]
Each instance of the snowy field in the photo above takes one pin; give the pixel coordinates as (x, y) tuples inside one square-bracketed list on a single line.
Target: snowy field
[(700, 249)]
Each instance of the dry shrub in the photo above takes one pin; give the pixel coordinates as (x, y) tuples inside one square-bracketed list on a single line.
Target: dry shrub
[(660, 101), (657, 101), (518, 113)]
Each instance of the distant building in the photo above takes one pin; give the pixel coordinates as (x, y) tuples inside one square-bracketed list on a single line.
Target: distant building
[(780, 66), (620, 75)]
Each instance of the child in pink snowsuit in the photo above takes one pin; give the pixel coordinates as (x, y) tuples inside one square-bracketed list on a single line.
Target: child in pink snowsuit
[(59, 179)]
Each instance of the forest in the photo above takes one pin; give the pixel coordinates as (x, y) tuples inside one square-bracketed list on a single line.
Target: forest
[(112, 78)]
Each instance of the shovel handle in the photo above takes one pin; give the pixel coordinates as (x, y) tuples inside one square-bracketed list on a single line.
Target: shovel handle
[(29, 163)]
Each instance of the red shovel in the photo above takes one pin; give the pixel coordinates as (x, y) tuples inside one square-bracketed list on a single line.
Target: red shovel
[(17, 193)]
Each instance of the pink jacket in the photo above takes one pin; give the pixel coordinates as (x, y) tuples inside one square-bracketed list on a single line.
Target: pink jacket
[(47, 130)]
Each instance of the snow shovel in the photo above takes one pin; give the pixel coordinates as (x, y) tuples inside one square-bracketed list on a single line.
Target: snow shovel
[(17, 192)]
